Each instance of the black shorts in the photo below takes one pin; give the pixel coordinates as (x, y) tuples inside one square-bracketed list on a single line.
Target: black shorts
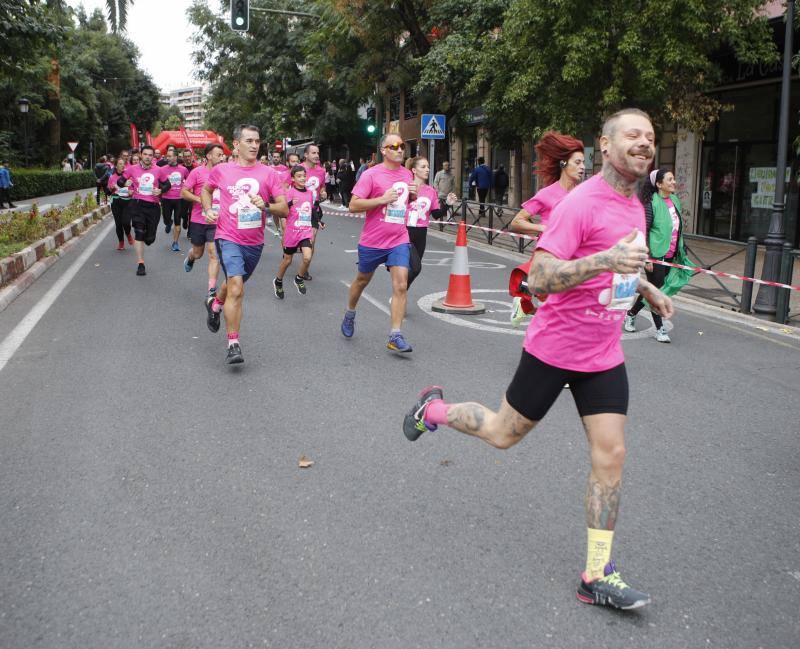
[(536, 386), (171, 208), (202, 233), (145, 219), (305, 243), (186, 212)]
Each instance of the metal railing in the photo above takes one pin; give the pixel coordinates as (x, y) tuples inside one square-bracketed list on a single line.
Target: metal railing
[(487, 215), (732, 298)]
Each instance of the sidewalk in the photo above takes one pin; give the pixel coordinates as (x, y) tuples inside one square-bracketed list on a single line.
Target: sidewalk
[(45, 202)]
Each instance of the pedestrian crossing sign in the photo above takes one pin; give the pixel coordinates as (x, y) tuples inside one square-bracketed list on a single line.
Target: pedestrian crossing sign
[(432, 127)]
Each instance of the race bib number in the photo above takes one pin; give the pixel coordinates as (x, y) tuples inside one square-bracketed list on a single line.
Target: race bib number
[(248, 218), (623, 291), (146, 189), (175, 179), (303, 216), (396, 212), (123, 192)]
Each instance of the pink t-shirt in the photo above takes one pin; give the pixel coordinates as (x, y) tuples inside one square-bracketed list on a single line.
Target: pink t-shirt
[(418, 213), (119, 192), (315, 179), (544, 201), (676, 224), (298, 223), (144, 182), (239, 220), (580, 329), (175, 177), (385, 225), (194, 183)]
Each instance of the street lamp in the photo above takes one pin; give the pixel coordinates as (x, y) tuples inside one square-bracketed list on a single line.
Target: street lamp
[(24, 107), (767, 298)]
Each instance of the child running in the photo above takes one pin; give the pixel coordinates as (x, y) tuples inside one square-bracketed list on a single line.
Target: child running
[(298, 231)]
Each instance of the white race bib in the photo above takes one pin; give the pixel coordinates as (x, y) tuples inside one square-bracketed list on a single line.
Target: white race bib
[(303, 216), (396, 212), (248, 217), (623, 291)]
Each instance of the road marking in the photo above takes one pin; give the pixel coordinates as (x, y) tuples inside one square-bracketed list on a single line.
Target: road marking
[(370, 299), (487, 324), (18, 335)]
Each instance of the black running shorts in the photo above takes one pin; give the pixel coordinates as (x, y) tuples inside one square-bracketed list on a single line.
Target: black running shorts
[(536, 386), (145, 219), (202, 233), (305, 243)]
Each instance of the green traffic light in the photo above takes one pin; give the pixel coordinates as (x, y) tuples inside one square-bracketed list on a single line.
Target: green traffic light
[(371, 129)]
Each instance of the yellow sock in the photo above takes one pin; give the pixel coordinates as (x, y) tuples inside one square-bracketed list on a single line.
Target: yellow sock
[(598, 551)]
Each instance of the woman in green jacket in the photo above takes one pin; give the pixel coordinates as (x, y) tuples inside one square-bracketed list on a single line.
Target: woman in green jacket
[(662, 211)]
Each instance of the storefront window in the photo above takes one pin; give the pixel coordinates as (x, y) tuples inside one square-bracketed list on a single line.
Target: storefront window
[(739, 154)]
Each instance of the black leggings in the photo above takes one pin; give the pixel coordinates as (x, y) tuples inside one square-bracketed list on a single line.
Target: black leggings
[(656, 277), (122, 218), (418, 237)]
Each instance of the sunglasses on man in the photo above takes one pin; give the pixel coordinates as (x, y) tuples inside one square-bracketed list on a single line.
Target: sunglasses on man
[(397, 146)]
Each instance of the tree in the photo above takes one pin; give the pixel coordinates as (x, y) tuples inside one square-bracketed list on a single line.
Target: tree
[(558, 65), (118, 14)]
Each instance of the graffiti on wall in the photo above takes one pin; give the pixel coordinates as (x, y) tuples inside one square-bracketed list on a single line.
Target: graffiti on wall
[(685, 176)]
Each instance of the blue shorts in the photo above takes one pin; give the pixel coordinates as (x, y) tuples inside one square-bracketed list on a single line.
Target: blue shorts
[(238, 260), (370, 258)]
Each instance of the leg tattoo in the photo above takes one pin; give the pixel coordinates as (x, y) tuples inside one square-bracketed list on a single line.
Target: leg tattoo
[(602, 504)]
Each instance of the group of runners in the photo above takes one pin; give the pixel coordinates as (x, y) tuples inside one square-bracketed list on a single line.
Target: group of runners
[(590, 252)]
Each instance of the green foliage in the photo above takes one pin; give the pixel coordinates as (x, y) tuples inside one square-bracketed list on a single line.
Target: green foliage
[(100, 81), (564, 65), (30, 183)]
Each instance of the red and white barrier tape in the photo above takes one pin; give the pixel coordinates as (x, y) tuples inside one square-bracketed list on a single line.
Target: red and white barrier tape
[(696, 269)]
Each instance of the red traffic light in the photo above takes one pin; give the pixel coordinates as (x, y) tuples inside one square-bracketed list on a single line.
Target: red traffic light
[(279, 146)]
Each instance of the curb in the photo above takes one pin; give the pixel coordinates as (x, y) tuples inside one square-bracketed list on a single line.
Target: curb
[(23, 268)]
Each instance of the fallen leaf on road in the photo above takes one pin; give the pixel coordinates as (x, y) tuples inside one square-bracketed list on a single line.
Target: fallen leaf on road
[(445, 462), (97, 265), (699, 333), (304, 462), (762, 328), (786, 331)]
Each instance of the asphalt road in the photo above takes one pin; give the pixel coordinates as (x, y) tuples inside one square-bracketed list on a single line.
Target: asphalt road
[(150, 495)]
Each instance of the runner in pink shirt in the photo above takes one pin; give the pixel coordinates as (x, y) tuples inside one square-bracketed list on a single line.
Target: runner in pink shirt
[(315, 181), (282, 170), (383, 192), (419, 213), (560, 166), (588, 261), (144, 181), (245, 189), (173, 173), (297, 233), (201, 233)]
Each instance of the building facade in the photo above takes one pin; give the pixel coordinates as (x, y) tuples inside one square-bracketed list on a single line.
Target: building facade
[(189, 101)]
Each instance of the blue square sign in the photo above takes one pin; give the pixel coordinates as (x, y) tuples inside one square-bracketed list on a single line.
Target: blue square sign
[(432, 127)]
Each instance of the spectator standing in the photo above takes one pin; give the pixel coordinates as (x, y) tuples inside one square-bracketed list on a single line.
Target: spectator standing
[(500, 185), (5, 186), (481, 179), (346, 178), (444, 182), (330, 180), (102, 173), (362, 167)]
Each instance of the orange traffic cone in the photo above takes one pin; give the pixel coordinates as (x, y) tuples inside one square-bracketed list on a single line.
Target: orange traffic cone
[(459, 290)]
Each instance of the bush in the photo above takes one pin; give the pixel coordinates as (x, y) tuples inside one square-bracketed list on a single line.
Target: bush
[(31, 183)]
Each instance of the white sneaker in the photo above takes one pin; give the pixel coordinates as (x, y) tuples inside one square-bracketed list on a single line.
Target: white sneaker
[(662, 336), (630, 323), (517, 314)]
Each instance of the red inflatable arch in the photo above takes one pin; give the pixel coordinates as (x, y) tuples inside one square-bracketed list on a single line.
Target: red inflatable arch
[(198, 140)]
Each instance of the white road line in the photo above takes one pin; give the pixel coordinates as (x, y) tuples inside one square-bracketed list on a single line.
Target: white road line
[(15, 339), (370, 299)]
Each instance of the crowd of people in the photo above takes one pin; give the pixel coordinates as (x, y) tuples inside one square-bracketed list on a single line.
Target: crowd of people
[(594, 239)]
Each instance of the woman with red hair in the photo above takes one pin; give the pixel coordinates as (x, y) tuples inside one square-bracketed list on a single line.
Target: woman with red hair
[(560, 165)]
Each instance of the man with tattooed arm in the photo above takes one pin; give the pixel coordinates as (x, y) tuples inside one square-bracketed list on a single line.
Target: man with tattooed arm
[(588, 261)]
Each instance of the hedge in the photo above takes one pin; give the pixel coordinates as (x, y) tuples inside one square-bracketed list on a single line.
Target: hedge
[(32, 183)]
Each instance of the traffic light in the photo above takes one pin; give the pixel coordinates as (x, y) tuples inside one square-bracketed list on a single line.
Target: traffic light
[(371, 120), (240, 15)]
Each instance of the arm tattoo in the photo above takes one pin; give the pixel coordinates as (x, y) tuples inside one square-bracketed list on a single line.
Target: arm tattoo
[(549, 274), (602, 504)]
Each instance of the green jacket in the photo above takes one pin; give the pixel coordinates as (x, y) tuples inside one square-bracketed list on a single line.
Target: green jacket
[(659, 238)]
